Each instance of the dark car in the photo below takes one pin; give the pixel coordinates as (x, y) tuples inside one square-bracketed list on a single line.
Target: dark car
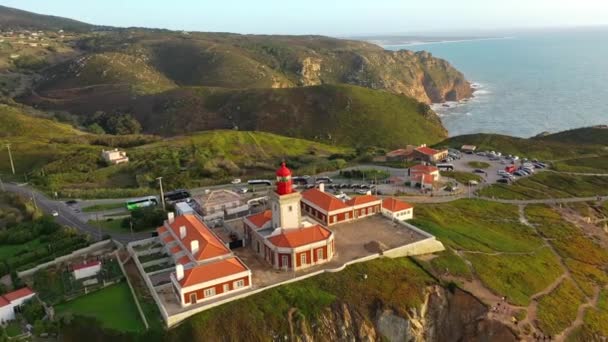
[(479, 171), (71, 202), (503, 180)]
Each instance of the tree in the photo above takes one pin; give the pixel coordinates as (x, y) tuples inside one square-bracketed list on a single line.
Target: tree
[(146, 218), (113, 123), (95, 128), (33, 310)]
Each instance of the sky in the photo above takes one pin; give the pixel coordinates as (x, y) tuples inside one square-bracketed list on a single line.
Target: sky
[(328, 17)]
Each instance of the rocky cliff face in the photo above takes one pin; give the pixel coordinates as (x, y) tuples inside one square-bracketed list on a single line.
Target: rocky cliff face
[(444, 316)]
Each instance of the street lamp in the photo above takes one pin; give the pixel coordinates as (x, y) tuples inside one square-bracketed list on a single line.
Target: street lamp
[(10, 157), (162, 195)]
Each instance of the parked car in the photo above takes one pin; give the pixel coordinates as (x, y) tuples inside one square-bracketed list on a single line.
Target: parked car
[(361, 191), (55, 213), (503, 181), (243, 190), (479, 171), (71, 202), (473, 182)]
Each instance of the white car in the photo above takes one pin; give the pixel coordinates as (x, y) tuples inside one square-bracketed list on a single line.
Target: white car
[(236, 181), (243, 190), (473, 182), (55, 213)]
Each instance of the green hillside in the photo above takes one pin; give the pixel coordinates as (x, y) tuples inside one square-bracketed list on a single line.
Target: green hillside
[(11, 18), (334, 114), (57, 157), (596, 135), (541, 148), (105, 69)]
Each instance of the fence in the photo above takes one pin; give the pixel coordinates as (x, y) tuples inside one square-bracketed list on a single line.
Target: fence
[(74, 254)]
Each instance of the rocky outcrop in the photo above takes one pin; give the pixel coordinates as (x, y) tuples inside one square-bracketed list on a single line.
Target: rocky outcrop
[(443, 316)]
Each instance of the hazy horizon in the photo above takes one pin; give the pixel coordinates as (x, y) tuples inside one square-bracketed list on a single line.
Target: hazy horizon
[(339, 18)]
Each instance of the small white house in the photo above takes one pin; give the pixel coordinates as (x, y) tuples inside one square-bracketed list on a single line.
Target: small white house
[(397, 210), (9, 301), (87, 269), (114, 156)]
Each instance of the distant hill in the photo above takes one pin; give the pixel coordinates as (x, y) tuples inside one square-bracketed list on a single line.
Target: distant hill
[(252, 61), (549, 147), (12, 18), (337, 114), (597, 135)]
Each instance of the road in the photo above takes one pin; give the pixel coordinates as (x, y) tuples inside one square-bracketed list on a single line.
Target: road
[(67, 216)]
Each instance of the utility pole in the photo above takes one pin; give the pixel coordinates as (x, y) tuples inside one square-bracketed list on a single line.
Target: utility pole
[(2, 185), (162, 195), (10, 157)]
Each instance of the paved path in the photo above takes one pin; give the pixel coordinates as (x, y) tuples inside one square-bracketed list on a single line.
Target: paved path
[(67, 216)]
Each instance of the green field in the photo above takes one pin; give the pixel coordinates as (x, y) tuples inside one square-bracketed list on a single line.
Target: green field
[(549, 185), (583, 165), (102, 207), (461, 177), (113, 306), (477, 225), (557, 310), (478, 165)]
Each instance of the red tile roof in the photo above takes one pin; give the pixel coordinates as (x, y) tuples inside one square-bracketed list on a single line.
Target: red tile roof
[(85, 265), (260, 219), (175, 249), (358, 200), (293, 238), (3, 302), (18, 294), (399, 152), (213, 270), (423, 168), (323, 200), (428, 179), (209, 245), (161, 230), (427, 150), (395, 205), (183, 260)]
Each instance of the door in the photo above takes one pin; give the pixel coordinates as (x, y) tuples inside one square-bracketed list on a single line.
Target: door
[(193, 298), (284, 261)]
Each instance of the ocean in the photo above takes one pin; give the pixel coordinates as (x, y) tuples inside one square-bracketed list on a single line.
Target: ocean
[(528, 83)]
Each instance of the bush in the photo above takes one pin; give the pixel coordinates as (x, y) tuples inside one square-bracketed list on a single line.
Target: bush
[(146, 218), (32, 310)]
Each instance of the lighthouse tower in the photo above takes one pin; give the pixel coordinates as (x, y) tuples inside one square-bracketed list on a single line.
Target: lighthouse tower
[(285, 203)]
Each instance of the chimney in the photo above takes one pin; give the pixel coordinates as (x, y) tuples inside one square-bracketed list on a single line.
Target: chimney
[(322, 187), (194, 246), (179, 272), (182, 232), (170, 217)]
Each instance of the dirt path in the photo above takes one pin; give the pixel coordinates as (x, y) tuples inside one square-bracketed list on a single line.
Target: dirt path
[(580, 315)]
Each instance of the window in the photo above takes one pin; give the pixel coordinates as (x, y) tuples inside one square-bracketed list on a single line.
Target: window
[(347, 216), (193, 298), (226, 287), (290, 208), (333, 219), (210, 292), (303, 259), (320, 254), (239, 283)]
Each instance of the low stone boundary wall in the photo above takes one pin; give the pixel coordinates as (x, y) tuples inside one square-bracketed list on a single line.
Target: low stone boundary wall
[(141, 312), (74, 254)]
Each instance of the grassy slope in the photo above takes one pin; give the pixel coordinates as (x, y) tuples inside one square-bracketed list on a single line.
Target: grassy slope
[(341, 115), (473, 226), (549, 185), (587, 135), (12, 17), (530, 148), (63, 159), (112, 306), (557, 310)]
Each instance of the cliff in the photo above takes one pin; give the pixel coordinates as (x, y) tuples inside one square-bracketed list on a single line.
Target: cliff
[(443, 316)]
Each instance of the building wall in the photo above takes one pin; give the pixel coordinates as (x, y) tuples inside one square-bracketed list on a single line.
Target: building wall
[(87, 272), (7, 313), (399, 215), (219, 289)]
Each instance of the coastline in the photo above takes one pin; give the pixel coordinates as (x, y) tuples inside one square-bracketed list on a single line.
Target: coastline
[(418, 43)]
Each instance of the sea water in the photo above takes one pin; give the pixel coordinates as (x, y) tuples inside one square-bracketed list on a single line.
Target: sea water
[(528, 83)]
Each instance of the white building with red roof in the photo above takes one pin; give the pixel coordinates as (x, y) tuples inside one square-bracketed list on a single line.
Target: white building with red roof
[(423, 175), (12, 300), (284, 238), (329, 210), (397, 210), (86, 269), (428, 154), (205, 266)]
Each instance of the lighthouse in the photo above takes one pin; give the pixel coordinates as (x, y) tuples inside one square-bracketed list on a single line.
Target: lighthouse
[(285, 203)]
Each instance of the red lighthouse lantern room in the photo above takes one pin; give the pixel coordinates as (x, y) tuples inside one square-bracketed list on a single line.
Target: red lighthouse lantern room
[(283, 180)]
